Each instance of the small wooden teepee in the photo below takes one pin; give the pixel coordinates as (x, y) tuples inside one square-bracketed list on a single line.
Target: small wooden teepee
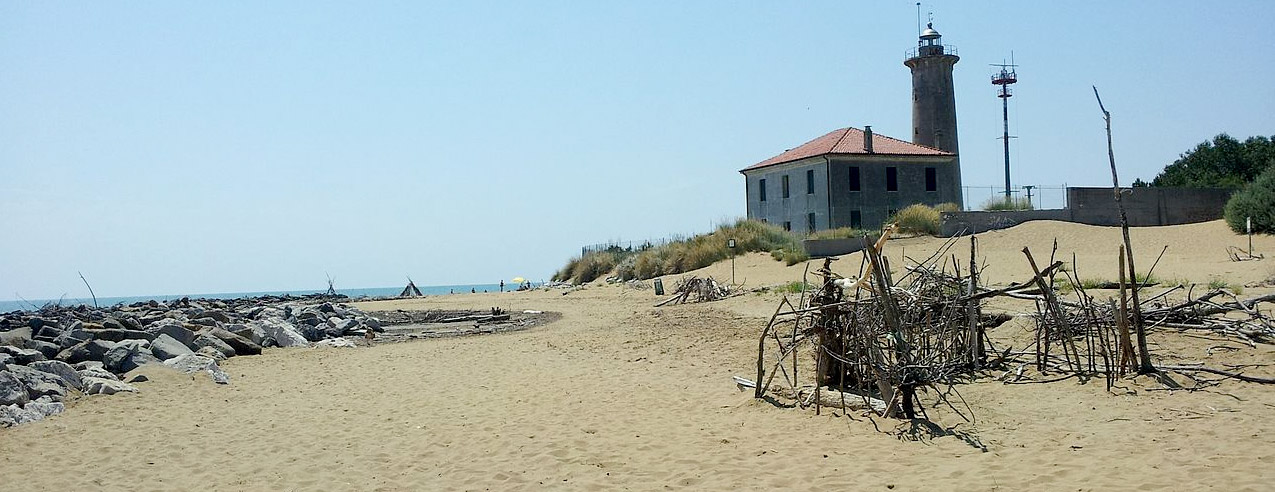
[(410, 290)]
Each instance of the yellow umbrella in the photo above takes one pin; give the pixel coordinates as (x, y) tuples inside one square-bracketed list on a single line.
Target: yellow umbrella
[(518, 280)]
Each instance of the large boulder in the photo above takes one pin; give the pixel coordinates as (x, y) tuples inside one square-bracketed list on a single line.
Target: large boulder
[(209, 340), (11, 415), (60, 369), (73, 335), (128, 355), (21, 355), (39, 383), (96, 372), (284, 333), (12, 391), (194, 363), (211, 353), (242, 346), (101, 386), (86, 351), (176, 330), (337, 327), (5, 360), (165, 347), (16, 337), (251, 332), (120, 334), (213, 314), (49, 350)]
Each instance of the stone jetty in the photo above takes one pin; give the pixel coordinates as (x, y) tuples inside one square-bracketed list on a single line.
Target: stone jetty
[(54, 353)]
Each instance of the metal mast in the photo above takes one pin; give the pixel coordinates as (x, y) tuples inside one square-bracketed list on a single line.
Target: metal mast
[(1004, 78)]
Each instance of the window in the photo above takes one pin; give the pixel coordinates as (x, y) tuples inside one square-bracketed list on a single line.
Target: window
[(761, 190), (931, 179), (810, 222), (787, 226), (891, 179), (810, 181), (854, 178), (856, 219), (785, 186)]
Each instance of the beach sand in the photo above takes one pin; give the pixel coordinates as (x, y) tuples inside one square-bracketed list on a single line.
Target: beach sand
[(619, 395)]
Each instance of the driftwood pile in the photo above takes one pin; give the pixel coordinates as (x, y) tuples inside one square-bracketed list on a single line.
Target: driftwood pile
[(877, 340), (696, 289)]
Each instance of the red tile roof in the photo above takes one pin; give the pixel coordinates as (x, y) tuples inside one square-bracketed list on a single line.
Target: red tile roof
[(849, 141)]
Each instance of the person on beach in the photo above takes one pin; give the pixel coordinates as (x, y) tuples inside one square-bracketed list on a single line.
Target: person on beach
[(502, 285)]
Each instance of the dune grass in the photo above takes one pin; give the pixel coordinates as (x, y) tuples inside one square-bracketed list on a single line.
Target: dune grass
[(686, 255)]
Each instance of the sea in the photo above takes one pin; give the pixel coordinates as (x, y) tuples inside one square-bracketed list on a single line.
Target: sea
[(372, 292)]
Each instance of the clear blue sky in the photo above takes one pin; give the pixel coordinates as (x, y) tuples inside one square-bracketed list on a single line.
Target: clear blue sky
[(183, 147)]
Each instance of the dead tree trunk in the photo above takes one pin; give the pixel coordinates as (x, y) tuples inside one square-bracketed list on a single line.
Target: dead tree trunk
[(1144, 355)]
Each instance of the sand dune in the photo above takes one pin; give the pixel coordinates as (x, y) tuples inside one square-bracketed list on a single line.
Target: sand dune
[(619, 395)]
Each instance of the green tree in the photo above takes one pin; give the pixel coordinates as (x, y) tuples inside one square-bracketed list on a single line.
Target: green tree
[(1223, 162), (1257, 200)]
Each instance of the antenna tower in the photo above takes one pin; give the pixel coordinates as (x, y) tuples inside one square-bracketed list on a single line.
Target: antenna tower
[(1004, 78)]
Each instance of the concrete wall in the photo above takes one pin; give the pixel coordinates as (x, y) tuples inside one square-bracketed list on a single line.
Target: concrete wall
[(1097, 206), (819, 248), (1147, 206), (975, 222)]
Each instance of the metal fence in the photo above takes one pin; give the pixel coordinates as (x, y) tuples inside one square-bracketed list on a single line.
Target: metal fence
[(1041, 197), (626, 246)]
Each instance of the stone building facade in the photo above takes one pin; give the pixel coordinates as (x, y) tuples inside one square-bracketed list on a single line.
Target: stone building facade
[(849, 178)]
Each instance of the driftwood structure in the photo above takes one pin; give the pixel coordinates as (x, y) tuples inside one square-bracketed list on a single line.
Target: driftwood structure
[(696, 289), (877, 341), (410, 290)]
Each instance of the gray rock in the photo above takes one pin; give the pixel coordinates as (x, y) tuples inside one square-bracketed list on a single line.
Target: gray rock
[(12, 391), (194, 363), (48, 349), (88, 364), (254, 332), (175, 330), (83, 351), (338, 327), (128, 355), (100, 386), (39, 383), (11, 415), (60, 369), (211, 353), (97, 372), (215, 315), (165, 347), (313, 333), (373, 323), (138, 378), (282, 332), (73, 336), (21, 355), (5, 360), (209, 340), (241, 345), (16, 337), (119, 335)]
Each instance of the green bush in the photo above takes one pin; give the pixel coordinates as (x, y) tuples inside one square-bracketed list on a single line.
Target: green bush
[(917, 219), (1256, 200), (947, 207), (1003, 204), (840, 233)]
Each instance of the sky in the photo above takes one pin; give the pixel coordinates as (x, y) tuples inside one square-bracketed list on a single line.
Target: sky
[(206, 147)]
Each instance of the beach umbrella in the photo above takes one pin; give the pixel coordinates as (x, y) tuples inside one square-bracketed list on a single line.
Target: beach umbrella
[(518, 280)]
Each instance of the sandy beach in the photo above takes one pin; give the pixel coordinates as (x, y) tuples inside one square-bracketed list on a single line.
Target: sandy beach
[(620, 395)]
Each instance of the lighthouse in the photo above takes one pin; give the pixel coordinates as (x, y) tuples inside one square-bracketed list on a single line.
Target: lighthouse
[(933, 99)]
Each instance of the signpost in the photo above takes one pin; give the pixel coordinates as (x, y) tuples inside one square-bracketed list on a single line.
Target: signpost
[(730, 243)]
